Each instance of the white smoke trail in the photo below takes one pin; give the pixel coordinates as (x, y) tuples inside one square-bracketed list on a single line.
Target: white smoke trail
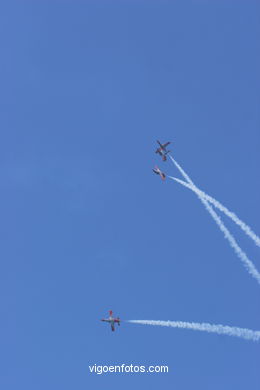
[(222, 208), (184, 174), (244, 333), (243, 257)]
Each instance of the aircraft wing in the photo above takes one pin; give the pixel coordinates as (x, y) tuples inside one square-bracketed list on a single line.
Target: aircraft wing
[(161, 146), (164, 145), (163, 176)]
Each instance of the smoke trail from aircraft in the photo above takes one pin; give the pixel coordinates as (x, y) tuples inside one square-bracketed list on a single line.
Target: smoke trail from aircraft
[(244, 333), (222, 208), (243, 257), (184, 174)]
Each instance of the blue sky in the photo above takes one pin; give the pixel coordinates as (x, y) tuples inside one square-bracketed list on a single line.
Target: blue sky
[(86, 89)]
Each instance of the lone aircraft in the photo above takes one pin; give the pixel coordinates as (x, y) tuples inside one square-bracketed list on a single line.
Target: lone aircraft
[(162, 150), (111, 320), (159, 172)]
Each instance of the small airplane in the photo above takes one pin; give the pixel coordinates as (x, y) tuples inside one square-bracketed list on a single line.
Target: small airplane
[(112, 320), (162, 150), (159, 172)]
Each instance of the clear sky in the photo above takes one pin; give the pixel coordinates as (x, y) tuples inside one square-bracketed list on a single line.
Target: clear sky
[(86, 89)]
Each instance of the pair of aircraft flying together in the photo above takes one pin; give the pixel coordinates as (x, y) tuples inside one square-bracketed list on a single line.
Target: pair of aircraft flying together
[(162, 150)]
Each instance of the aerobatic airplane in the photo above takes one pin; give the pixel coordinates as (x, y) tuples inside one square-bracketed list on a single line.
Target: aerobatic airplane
[(159, 172), (162, 150), (112, 320)]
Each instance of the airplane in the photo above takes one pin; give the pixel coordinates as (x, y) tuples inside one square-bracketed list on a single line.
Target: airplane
[(162, 150), (159, 172), (112, 320)]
